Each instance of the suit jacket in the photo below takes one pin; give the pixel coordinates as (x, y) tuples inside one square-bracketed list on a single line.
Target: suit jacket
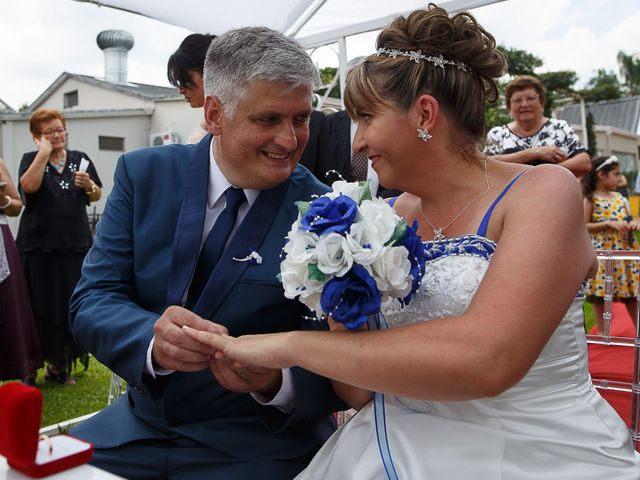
[(335, 151), (310, 155), (145, 250)]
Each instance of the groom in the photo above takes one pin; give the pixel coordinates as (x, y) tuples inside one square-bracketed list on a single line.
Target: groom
[(159, 261)]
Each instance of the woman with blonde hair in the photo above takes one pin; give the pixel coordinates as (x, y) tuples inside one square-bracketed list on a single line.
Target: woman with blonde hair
[(484, 374)]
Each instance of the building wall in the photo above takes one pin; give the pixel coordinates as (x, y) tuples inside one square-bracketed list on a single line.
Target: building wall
[(92, 97), (177, 117), (611, 141)]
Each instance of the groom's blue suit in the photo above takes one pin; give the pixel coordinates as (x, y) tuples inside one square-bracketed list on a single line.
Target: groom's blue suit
[(141, 262)]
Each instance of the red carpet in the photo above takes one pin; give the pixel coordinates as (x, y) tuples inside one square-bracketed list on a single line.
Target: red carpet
[(615, 363)]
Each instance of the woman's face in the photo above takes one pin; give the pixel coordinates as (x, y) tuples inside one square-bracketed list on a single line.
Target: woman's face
[(194, 93), (387, 137), (54, 131), (526, 106)]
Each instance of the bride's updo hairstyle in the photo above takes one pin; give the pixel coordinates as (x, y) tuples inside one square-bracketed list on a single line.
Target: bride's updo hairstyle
[(462, 85)]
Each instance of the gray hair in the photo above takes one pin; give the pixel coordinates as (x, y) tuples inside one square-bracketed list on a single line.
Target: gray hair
[(254, 53)]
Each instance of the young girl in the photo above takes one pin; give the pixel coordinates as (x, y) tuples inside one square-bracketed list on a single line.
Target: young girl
[(608, 220)]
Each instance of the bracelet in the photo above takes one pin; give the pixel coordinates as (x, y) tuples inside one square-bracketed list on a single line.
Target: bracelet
[(94, 187), (2, 207)]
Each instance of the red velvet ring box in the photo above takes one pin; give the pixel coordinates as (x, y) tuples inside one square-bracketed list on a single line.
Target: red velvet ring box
[(20, 413)]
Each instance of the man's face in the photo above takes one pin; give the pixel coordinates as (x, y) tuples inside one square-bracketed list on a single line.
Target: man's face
[(261, 145)]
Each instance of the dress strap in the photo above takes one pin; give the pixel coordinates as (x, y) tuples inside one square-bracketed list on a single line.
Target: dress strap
[(484, 224)]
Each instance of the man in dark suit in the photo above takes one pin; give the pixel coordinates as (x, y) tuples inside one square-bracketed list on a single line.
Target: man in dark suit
[(335, 154), (159, 262)]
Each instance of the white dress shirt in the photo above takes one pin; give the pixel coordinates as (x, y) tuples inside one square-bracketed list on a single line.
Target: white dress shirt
[(218, 185)]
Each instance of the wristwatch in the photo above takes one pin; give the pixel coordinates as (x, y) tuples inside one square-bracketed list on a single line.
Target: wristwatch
[(94, 188)]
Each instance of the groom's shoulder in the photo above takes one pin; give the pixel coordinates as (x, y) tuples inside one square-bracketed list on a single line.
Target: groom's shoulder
[(171, 161), (303, 181), (164, 154)]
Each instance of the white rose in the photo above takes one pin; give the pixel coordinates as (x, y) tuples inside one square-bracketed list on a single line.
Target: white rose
[(334, 256), (363, 253), (301, 246), (296, 283), (391, 272), (350, 189), (379, 221)]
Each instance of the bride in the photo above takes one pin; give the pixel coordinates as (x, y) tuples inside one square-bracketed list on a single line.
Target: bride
[(484, 375)]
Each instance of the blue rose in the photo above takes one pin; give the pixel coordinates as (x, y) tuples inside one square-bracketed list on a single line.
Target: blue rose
[(352, 298), (413, 243), (326, 215)]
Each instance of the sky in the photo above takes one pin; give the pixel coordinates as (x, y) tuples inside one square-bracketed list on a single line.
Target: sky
[(40, 39)]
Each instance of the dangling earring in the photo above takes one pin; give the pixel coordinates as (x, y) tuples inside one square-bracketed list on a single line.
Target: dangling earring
[(424, 135)]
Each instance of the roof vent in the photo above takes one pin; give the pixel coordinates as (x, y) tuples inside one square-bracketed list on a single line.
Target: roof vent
[(115, 44)]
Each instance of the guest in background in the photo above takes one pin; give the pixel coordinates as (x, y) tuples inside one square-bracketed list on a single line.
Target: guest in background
[(184, 70), (533, 138), (623, 187), (609, 222), (57, 185), (19, 348), (310, 156), (336, 158)]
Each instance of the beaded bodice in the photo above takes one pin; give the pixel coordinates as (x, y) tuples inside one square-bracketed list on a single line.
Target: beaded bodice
[(453, 270)]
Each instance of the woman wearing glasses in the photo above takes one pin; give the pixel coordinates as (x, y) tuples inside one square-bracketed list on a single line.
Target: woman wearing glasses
[(57, 185), (533, 138)]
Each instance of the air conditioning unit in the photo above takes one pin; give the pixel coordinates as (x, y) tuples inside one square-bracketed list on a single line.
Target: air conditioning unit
[(163, 138)]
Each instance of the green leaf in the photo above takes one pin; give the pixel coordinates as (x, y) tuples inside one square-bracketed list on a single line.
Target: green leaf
[(315, 273), (303, 207), (398, 233), (366, 192)]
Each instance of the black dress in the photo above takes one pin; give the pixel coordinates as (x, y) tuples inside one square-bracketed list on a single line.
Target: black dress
[(53, 238), (19, 348)]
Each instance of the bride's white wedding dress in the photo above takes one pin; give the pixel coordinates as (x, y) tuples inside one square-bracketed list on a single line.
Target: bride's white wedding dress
[(551, 425)]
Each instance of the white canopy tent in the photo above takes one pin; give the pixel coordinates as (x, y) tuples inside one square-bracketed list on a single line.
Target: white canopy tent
[(313, 23)]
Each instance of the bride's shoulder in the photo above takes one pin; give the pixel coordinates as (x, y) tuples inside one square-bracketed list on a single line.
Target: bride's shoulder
[(550, 180), (547, 187)]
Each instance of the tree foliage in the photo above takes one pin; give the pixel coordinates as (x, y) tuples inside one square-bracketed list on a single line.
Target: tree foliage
[(630, 72), (327, 75), (604, 86), (520, 62), (591, 135)]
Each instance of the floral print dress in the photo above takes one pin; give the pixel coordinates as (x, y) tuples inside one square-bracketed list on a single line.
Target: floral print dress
[(625, 273)]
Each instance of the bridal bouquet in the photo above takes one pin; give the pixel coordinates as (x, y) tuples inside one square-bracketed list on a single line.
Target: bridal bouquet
[(348, 252)]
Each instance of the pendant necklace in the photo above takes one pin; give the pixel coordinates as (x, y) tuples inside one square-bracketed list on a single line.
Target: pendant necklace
[(437, 231)]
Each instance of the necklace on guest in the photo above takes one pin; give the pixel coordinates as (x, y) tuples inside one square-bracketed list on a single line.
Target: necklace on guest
[(437, 231)]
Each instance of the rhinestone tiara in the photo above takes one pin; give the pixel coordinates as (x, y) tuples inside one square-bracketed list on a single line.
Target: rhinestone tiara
[(416, 56)]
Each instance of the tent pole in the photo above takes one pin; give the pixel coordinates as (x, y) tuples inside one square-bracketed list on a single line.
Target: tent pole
[(342, 56)]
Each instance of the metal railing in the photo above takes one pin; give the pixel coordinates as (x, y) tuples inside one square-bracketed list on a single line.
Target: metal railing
[(608, 257)]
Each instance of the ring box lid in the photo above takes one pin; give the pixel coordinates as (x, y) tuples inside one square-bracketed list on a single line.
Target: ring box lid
[(20, 415)]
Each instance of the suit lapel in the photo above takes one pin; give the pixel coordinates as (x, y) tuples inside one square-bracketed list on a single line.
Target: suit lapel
[(186, 242), (249, 236)]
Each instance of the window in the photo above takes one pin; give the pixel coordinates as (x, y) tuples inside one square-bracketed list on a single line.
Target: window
[(114, 144), (70, 99)]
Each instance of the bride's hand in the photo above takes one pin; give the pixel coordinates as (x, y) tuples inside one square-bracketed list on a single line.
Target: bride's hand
[(264, 351)]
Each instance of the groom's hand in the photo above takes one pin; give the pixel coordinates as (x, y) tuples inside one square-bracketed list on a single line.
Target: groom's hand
[(243, 379), (173, 350)]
